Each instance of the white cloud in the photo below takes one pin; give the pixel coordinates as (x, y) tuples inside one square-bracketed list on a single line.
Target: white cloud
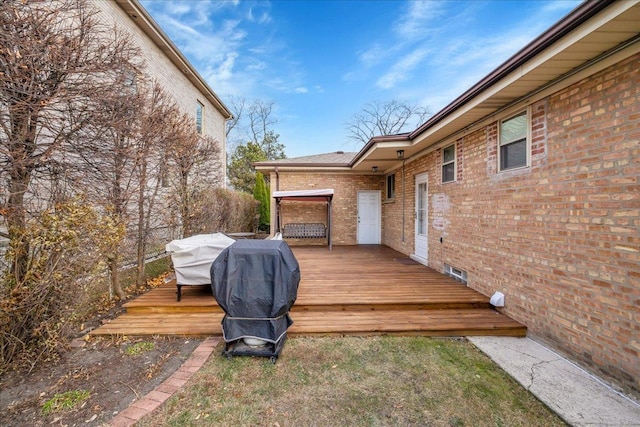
[(225, 70), (259, 12), (373, 55), (402, 68), (560, 5), (178, 8), (405, 44), (416, 22)]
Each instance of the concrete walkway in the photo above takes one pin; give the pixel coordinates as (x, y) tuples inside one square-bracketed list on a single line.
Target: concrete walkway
[(576, 396)]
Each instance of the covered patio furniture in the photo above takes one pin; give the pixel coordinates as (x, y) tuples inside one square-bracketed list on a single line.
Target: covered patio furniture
[(192, 258)]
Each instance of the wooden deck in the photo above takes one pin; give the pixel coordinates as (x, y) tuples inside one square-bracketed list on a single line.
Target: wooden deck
[(352, 290)]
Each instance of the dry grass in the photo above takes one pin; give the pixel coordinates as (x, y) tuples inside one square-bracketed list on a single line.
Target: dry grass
[(377, 381)]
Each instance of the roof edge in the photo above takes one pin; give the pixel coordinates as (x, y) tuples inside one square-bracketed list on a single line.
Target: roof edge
[(308, 165), (179, 58), (378, 139), (571, 21)]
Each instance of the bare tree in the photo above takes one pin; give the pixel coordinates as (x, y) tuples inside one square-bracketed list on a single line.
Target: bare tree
[(56, 60), (191, 156), (257, 141), (252, 121), (155, 136), (237, 105), (384, 118), (104, 160), (261, 119)]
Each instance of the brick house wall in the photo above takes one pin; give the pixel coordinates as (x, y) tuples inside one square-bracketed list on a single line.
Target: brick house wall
[(173, 80), (561, 238), (344, 203)]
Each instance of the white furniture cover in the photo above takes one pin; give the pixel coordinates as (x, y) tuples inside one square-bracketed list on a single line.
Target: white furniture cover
[(192, 257)]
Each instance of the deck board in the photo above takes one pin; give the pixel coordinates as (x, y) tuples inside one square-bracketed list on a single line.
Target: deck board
[(396, 322), (357, 290)]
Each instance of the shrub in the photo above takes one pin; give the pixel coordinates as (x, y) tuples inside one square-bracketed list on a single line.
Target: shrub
[(63, 257), (222, 210), (261, 194)]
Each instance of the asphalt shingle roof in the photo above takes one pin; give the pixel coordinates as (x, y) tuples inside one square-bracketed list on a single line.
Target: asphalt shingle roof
[(337, 158)]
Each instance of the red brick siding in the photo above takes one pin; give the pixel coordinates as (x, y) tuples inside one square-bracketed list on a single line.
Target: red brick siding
[(560, 238), (344, 204)]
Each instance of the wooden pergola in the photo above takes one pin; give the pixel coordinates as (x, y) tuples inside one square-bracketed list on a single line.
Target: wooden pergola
[(323, 195)]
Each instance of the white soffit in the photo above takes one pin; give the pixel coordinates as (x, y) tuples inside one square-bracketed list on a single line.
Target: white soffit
[(613, 26)]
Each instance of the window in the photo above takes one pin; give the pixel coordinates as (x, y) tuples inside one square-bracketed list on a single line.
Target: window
[(514, 142), (199, 111), (131, 81), (449, 163), (391, 186)]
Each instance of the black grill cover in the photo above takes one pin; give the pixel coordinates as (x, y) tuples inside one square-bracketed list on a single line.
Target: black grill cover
[(256, 283)]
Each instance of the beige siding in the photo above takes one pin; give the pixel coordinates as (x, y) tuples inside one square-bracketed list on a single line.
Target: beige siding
[(159, 67)]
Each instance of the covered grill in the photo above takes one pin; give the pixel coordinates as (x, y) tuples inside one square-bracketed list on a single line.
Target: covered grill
[(256, 284)]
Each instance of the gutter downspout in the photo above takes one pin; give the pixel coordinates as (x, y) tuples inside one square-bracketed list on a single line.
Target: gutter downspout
[(403, 220), (278, 230)]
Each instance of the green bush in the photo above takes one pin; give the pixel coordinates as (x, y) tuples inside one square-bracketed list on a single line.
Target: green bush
[(261, 194)]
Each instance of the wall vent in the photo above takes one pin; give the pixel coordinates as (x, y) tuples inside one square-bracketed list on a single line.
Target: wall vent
[(456, 273)]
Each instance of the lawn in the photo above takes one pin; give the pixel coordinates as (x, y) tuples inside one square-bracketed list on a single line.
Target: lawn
[(352, 381)]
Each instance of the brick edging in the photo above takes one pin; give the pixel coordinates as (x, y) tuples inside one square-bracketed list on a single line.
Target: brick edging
[(165, 390)]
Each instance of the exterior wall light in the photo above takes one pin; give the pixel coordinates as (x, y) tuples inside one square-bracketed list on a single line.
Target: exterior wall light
[(400, 154), (374, 169)]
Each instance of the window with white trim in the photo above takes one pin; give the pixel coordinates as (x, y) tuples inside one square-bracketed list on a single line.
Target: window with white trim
[(199, 114), (391, 186), (449, 163), (514, 142)]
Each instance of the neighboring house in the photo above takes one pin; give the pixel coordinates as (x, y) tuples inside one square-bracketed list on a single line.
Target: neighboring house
[(527, 184), (179, 78)]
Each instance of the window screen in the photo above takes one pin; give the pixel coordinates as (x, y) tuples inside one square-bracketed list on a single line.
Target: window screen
[(513, 142), (449, 163)]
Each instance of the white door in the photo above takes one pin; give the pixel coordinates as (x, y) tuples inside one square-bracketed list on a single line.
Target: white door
[(369, 218), (421, 248)]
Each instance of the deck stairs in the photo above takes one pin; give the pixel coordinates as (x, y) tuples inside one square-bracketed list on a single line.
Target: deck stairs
[(347, 291)]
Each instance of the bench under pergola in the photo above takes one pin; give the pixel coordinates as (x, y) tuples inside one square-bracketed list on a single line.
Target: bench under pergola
[(305, 230)]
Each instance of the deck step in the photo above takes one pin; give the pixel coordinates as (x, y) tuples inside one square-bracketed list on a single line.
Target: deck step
[(142, 309), (319, 296), (360, 290), (390, 322)]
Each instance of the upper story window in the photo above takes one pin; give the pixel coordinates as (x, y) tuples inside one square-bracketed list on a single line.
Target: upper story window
[(449, 163), (199, 113), (391, 186), (514, 142), (131, 80)]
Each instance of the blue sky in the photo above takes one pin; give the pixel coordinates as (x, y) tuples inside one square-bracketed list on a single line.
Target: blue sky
[(320, 62)]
